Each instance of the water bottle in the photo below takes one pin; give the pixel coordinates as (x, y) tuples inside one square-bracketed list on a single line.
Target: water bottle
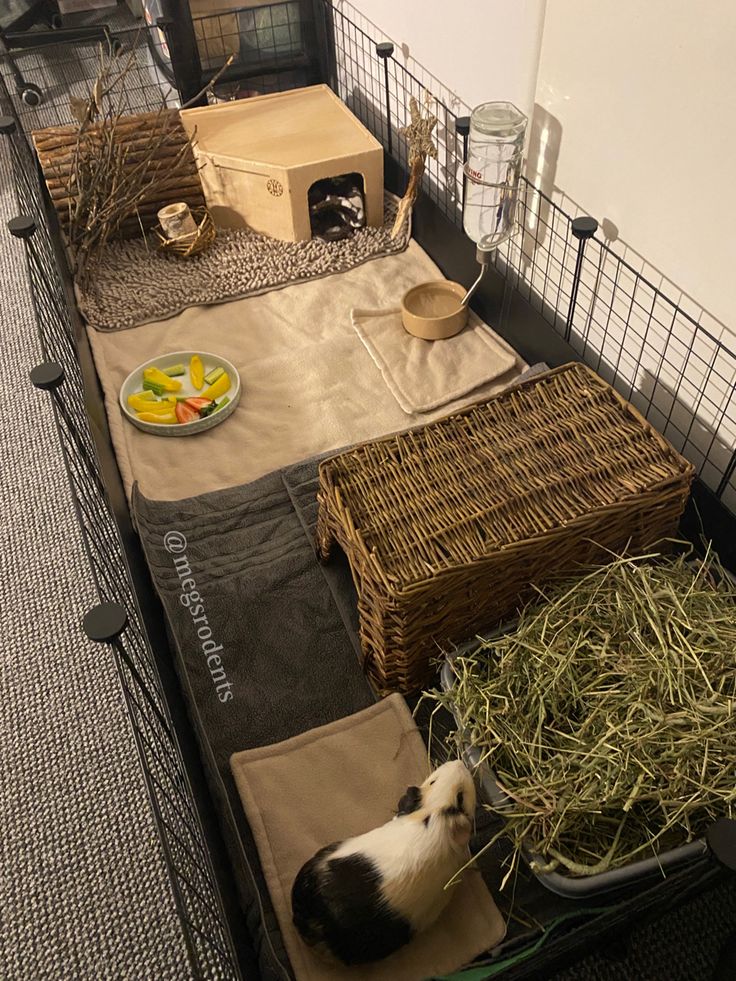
[(495, 150)]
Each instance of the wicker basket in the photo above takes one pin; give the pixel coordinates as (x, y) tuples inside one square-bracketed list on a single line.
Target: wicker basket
[(446, 526), (193, 243)]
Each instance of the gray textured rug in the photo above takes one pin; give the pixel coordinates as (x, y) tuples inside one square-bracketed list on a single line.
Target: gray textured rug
[(134, 283), (83, 888)]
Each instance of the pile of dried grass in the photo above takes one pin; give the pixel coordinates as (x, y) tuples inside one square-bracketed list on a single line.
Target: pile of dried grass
[(609, 714)]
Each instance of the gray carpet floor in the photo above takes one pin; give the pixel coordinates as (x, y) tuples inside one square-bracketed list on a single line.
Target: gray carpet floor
[(686, 946), (83, 887)]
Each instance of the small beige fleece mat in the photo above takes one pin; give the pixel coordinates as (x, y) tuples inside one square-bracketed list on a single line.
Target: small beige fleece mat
[(309, 384), (423, 375), (335, 782)]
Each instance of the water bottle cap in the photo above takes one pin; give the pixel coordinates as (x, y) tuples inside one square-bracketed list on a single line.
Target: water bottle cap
[(500, 119)]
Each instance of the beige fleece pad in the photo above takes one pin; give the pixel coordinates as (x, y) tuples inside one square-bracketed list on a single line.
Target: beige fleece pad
[(424, 375), (335, 782), (309, 384)]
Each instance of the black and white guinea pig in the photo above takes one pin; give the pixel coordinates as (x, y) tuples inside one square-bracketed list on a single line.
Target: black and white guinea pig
[(363, 898)]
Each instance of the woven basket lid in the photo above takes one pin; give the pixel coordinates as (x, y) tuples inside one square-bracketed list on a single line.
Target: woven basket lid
[(554, 450)]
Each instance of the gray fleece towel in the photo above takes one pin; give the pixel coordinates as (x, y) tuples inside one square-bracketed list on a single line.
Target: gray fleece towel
[(263, 642), (262, 647)]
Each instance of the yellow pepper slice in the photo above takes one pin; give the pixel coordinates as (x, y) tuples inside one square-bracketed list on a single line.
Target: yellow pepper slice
[(196, 371), (144, 396), (168, 384), (159, 408), (218, 388), (165, 418), (149, 405)]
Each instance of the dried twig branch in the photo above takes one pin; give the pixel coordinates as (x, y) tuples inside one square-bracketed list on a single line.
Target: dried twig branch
[(121, 168), (421, 146)]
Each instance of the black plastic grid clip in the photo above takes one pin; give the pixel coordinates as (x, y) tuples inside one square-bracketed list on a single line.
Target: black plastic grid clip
[(385, 50), (47, 376), (105, 622), (583, 228), (22, 226)]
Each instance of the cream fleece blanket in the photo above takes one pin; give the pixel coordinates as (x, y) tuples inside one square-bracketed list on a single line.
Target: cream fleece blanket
[(424, 375), (341, 780), (309, 384)]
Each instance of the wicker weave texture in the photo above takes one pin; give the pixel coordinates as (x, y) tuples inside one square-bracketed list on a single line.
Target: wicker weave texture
[(446, 526)]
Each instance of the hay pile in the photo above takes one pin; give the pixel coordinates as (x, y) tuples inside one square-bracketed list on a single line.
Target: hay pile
[(609, 714)]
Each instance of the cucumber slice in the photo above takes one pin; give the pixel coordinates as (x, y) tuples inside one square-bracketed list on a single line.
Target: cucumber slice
[(223, 401), (154, 387), (174, 370), (212, 377), (147, 395)]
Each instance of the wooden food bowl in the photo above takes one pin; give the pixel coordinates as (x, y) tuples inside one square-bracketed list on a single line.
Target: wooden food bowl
[(433, 312)]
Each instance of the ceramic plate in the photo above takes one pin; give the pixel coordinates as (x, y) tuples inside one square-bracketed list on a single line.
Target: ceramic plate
[(134, 383)]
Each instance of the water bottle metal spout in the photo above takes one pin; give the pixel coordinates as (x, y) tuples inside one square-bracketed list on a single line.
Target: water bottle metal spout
[(483, 258)]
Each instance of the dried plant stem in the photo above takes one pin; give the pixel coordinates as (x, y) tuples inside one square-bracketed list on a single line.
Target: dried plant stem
[(418, 136), (411, 194), (112, 174)]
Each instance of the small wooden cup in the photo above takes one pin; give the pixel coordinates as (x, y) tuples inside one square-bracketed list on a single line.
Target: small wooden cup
[(191, 244), (176, 220)]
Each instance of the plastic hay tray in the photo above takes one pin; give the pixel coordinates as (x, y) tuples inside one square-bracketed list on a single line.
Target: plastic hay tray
[(568, 886)]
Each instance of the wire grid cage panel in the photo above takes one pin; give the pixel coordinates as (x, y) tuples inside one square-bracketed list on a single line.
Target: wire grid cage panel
[(676, 372), (378, 90), (268, 45), (181, 836), (63, 72), (618, 323), (539, 260), (680, 375)]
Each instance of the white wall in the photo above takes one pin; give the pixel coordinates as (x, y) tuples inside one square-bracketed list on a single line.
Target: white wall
[(479, 49), (645, 95), (634, 123), (639, 102)]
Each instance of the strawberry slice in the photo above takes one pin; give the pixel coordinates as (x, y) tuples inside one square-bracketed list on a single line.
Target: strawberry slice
[(185, 412), (197, 403)]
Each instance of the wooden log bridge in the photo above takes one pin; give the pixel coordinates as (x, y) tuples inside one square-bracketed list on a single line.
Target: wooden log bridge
[(156, 140)]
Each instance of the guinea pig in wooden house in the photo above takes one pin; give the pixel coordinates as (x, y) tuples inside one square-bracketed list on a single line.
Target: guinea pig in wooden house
[(363, 898)]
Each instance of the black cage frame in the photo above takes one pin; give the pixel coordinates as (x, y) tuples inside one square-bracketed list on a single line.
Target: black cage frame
[(558, 292)]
